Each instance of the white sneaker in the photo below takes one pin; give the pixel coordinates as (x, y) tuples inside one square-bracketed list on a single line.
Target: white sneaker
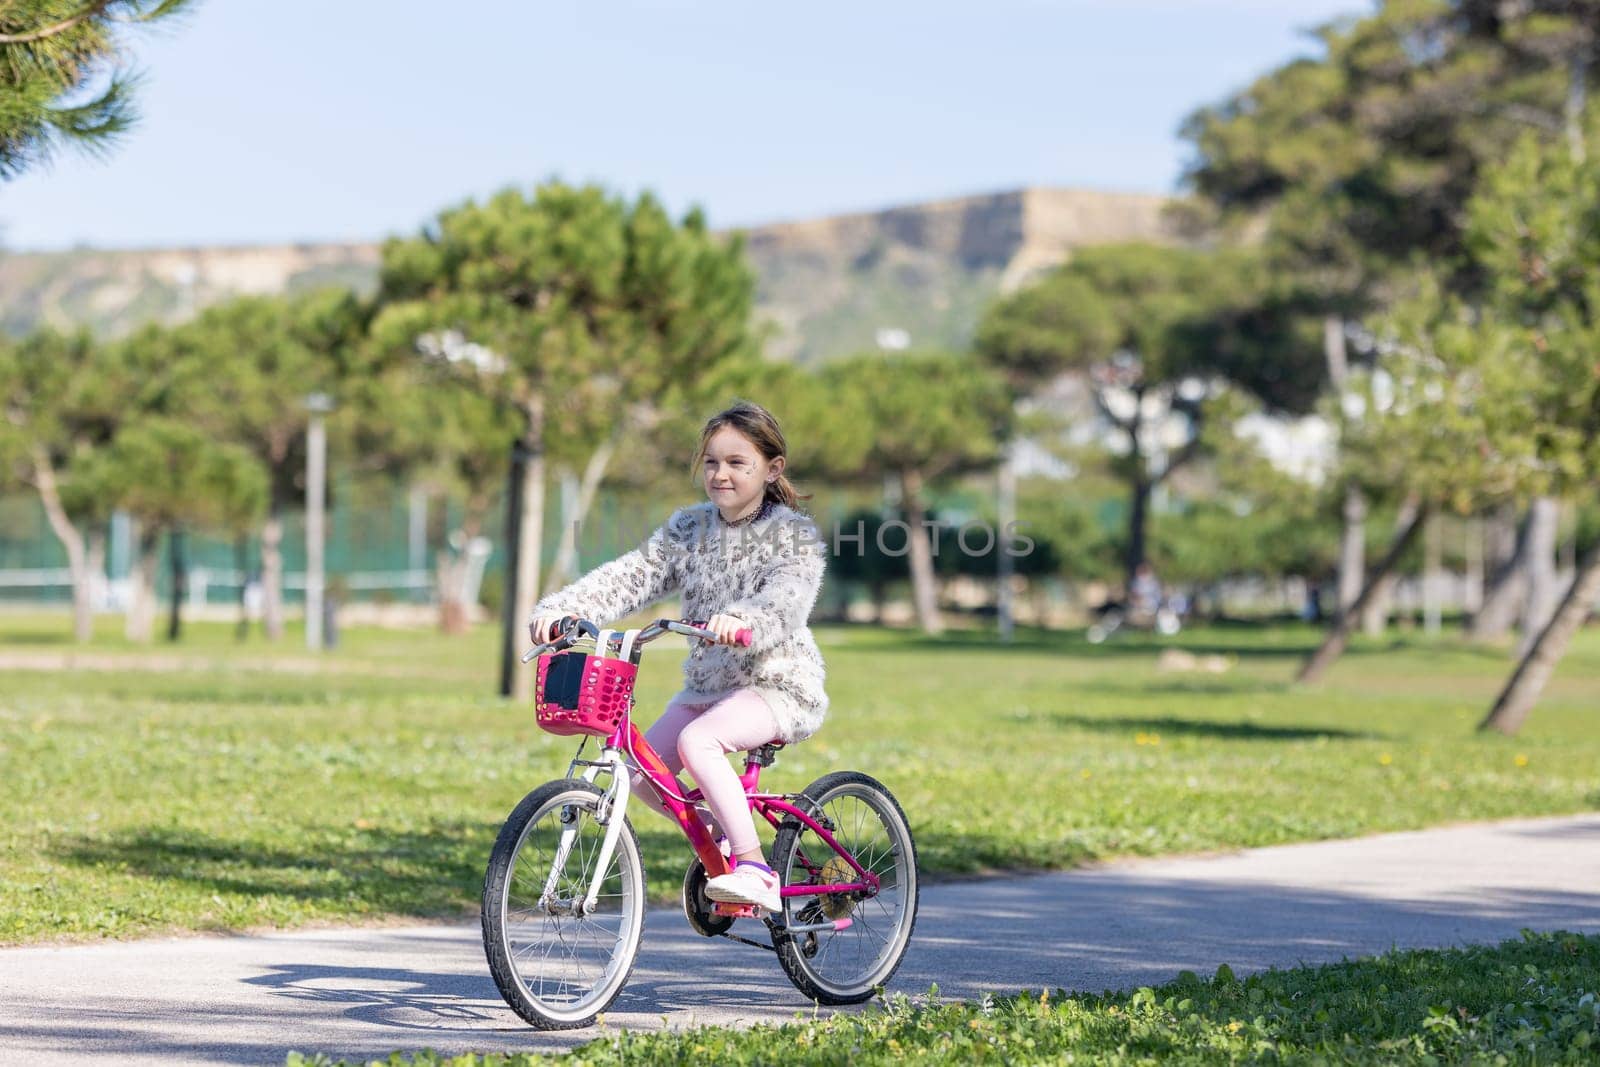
[(749, 883)]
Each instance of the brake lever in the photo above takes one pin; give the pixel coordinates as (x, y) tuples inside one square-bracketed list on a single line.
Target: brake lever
[(564, 641)]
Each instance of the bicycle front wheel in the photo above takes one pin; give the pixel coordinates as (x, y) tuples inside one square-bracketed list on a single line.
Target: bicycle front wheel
[(845, 966), (558, 963)]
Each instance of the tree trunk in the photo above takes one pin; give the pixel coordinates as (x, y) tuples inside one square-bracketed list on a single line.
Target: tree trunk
[(455, 612), (178, 572), (1374, 613), (924, 587), (565, 567), (530, 543), (1567, 551), (1338, 637), (510, 625), (44, 480), (1006, 491), (448, 574), (1432, 577), (272, 574), (1528, 680), (241, 563), (1352, 538), (83, 604), (141, 618), (1352, 550), (1138, 519), (1472, 554), (566, 483), (1504, 548), (1539, 564)]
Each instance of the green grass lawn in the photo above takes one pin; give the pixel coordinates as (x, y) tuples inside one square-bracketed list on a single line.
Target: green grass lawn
[(1531, 1001), (210, 786)]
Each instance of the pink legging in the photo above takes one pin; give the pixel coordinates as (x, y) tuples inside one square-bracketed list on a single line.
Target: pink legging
[(699, 737)]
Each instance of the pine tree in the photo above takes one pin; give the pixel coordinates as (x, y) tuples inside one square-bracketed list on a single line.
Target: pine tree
[(569, 309), (915, 418), (51, 52), (1156, 332)]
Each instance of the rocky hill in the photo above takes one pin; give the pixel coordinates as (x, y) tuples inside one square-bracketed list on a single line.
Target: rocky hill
[(909, 276)]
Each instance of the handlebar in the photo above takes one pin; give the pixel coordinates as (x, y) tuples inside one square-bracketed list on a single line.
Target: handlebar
[(572, 628)]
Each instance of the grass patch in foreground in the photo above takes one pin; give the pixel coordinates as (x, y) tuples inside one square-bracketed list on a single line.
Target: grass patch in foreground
[(1524, 1001), (213, 786)]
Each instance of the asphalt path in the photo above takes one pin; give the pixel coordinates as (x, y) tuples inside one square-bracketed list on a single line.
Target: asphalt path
[(364, 993)]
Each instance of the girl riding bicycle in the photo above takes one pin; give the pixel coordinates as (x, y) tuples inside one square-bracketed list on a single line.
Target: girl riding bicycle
[(747, 559)]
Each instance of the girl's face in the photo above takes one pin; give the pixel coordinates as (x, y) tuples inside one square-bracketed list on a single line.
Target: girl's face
[(736, 473)]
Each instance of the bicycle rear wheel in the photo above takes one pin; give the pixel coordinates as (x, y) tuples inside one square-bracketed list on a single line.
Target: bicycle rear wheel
[(556, 964), (847, 966)]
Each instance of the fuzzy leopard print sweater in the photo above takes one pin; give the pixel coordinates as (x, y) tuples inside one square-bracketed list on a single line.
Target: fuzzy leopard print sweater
[(767, 572)]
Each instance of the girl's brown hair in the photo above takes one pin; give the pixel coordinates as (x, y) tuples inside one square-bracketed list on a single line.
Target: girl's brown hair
[(757, 424)]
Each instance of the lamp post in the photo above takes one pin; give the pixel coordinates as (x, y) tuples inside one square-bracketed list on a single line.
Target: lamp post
[(1005, 607), (318, 404)]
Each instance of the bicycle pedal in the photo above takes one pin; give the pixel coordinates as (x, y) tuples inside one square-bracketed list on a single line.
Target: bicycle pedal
[(737, 911)]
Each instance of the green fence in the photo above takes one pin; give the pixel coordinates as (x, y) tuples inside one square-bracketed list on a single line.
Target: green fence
[(384, 550), (372, 552)]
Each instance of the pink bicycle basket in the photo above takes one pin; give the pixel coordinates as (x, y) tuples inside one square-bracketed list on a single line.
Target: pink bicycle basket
[(582, 694)]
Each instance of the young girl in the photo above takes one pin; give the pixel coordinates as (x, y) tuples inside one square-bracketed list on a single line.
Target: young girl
[(746, 559)]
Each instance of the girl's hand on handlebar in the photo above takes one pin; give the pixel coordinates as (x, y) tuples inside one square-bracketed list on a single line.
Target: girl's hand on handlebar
[(543, 628), (727, 628)]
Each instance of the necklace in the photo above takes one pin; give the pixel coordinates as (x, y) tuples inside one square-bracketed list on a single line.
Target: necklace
[(759, 513)]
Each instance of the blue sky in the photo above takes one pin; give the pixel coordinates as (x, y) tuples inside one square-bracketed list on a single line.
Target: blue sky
[(291, 120)]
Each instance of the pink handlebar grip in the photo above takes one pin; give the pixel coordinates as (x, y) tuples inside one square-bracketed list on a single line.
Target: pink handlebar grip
[(742, 638)]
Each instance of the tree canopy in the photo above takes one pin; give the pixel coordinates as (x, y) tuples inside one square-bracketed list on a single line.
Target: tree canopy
[(62, 79), (1156, 332), (570, 308)]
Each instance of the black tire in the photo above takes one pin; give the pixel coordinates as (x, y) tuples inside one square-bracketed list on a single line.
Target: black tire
[(883, 844), (523, 987)]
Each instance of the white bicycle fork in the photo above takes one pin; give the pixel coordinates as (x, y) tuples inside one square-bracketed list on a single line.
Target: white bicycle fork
[(614, 806)]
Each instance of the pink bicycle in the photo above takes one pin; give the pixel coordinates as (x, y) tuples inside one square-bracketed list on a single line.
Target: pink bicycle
[(564, 896)]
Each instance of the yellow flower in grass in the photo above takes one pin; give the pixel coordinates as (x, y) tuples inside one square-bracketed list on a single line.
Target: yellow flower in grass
[(1521, 760), (1385, 759)]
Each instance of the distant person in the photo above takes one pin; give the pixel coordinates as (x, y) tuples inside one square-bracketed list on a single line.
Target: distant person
[(1312, 609)]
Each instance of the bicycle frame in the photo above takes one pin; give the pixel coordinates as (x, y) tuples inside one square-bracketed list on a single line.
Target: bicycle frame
[(626, 750), (770, 806)]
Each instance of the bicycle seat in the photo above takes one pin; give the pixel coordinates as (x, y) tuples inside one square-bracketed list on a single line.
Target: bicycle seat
[(765, 754)]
